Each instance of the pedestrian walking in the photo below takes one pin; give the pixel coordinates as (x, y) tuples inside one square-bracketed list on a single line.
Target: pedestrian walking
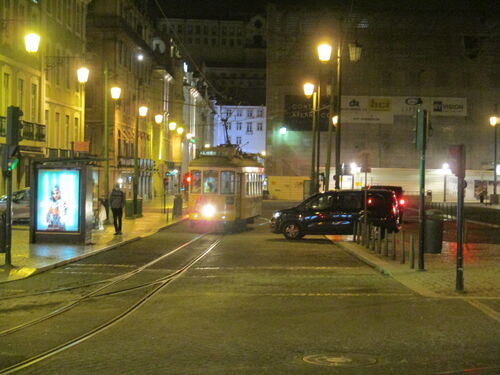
[(482, 195), (117, 202)]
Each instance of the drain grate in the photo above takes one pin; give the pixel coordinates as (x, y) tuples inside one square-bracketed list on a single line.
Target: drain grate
[(348, 360)]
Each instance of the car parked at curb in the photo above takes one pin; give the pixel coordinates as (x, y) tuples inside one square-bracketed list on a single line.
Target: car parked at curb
[(21, 203), (335, 212)]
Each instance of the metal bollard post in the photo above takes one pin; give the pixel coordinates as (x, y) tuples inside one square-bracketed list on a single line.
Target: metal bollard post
[(386, 244), (379, 240), (402, 246), (412, 252), (393, 245), (360, 233), (354, 231)]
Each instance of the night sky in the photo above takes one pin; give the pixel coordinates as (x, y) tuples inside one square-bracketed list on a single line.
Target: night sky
[(241, 9)]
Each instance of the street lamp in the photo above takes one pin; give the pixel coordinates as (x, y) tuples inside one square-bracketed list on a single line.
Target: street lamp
[(143, 111), (180, 130), (159, 119), (309, 90), (116, 93), (282, 130), (172, 126), (324, 55), (32, 42), (82, 74), (493, 122)]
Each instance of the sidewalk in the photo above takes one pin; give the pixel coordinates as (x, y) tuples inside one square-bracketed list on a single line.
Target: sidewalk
[(481, 268), (28, 259)]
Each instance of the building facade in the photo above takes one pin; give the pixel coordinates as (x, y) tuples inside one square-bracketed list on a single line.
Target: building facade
[(244, 126), (230, 52), (447, 57), (43, 84), (127, 50)]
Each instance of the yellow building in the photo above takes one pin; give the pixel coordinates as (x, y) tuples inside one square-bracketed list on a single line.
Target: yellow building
[(43, 84)]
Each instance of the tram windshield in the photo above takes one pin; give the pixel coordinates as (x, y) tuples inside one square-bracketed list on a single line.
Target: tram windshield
[(227, 182), (195, 182), (210, 182)]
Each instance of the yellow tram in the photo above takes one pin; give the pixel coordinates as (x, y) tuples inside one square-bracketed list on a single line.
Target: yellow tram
[(225, 187)]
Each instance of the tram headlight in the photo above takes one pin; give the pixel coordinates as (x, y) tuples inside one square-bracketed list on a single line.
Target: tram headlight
[(277, 215), (208, 210)]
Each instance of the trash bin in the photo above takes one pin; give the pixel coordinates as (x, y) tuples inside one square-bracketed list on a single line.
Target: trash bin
[(177, 209), (129, 208), (433, 231)]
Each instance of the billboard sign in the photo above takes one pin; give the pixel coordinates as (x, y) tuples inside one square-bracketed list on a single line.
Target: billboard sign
[(58, 200)]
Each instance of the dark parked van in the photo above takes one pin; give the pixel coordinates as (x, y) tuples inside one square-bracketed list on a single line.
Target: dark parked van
[(335, 212)]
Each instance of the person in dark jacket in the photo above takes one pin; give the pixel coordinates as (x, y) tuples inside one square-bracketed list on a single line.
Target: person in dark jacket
[(117, 202)]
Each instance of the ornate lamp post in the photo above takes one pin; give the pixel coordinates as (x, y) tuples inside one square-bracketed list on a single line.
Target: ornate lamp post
[(143, 111), (309, 91)]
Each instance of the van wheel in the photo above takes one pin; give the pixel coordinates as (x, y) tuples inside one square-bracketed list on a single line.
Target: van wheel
[(292, 231)]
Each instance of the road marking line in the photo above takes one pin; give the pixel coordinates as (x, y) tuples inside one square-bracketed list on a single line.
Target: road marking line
[(485, 309), (100, 265)]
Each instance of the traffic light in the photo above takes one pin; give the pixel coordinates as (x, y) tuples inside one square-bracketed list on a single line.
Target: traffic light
[(456, 160), (14, 125), (187, 179)]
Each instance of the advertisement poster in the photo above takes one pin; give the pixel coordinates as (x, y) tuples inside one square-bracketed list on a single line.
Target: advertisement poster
[(58, 198)]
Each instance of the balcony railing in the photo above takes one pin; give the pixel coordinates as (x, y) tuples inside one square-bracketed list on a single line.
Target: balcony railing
[(31, 130)]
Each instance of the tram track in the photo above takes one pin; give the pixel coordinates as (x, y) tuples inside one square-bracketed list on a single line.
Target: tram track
[(159, 283), (155, 286), (111, 282)]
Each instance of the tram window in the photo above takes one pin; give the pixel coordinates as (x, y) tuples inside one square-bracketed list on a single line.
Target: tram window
[(195, 182), (247, 184), (227, 182), (210, 182)]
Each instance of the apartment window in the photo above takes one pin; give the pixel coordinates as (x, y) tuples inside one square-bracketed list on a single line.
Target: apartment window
[(205, 30), (197, 29), (47, 117), (249, 113), (76, 130), (6, 90), (34, 101), (238, 140), (238, 126), (260, 113), (179, 29), (239, 113), (223, 42), (224, 30), (189, 29), (57, 130), (66, 130), (249, 127), (259, 126), (20, 93), (228, 126)]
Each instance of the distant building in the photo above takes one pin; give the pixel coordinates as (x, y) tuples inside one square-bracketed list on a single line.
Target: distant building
[(246, 127), (448, 56), (230, 52)]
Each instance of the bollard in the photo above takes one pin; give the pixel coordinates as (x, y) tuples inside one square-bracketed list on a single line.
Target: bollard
[(386, 245), (393, 245), (360, 233), (354, 231), (379, 240), (412, 252), (402, 246)]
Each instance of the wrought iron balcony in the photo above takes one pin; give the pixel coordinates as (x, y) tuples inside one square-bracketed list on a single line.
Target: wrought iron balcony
[(31, 130)]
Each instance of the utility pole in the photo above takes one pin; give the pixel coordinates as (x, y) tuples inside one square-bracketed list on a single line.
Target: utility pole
[(457, 164), (421, 143), (10, 159)]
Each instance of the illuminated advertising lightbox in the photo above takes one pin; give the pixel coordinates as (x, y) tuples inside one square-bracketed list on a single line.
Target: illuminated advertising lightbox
[(58, 200)]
